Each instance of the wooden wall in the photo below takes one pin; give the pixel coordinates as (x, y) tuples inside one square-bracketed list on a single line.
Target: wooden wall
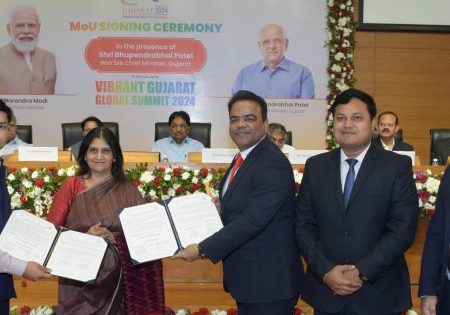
[(408, 73)]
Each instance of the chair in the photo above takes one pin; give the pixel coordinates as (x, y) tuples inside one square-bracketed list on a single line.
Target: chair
[(439, 145), (72, 132), (25, 133), (288, 138), (199, 131)]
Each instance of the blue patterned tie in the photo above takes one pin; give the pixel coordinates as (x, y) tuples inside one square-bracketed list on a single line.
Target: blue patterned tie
[(349, 180)]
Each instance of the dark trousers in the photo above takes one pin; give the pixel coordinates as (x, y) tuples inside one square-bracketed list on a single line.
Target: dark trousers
[(4, 307), (283, 307), (347, 310)]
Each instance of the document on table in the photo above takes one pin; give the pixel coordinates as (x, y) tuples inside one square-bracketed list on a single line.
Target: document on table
[(154, 230), (69, 254)]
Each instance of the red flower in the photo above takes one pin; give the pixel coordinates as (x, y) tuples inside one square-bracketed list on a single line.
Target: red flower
[(39, 182), (31, 169), (25, 309), (136, 182), (196, 313), (161, 169), (203, 311), (232, 311), (52, 168), (298, 311), (194, 187), (12, 169), (430, 212), (180, 190), (301, 169), (203, 171), (221, 170), (176, 171), (156, 181), (23, 199), (421, 176)]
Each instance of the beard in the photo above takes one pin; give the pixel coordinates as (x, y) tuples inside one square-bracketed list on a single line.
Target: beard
[(24, 47)]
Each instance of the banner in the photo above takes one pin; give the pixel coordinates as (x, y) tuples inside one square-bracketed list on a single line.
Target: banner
[(136, 61)]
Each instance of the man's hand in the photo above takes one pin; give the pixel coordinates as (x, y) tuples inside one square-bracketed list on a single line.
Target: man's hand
[(336, 281), (190, 253), (429, 305), (353, 275), (34, 271)]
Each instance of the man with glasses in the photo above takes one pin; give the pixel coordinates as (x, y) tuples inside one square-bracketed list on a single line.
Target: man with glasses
[(277, 133), (8, 264), (275, 76), (176, 147), (14, 142)]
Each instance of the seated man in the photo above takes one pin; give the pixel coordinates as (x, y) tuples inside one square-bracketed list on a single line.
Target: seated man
[(387, 128), (86, 125), (175, 148), (277, 133), (441, 148), (14, 142)]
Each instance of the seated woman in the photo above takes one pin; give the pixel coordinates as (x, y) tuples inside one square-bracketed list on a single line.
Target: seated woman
[(90, 203)]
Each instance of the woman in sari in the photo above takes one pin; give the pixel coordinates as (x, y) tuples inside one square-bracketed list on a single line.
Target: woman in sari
[(90, 203)]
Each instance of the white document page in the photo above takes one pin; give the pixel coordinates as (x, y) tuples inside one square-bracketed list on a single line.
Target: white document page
[(195, 217), (77, 256), (27, 236), (38, 154), (148, 232)]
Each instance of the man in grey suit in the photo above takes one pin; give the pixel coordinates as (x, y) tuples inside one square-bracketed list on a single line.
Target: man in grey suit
[(356, 216)]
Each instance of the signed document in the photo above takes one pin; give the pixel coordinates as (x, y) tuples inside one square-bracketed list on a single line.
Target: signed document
[(155, 230), (69, 254)]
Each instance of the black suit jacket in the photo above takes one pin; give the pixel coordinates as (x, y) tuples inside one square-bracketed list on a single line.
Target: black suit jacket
[(374, 231), (436, 250), (398, 146), (261, 262)]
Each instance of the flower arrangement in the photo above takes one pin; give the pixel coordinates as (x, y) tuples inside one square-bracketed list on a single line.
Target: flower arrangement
[(26, 310), (31, 188), (427, 185), (163, 183), (341, 42), (206, 311)]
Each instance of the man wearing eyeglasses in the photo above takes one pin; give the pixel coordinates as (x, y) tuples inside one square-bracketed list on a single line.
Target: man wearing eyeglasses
[(8, 264), (176, 147), (275, 76), (14, 142)]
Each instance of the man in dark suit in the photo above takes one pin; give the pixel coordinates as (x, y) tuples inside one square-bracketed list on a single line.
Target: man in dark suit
[(261, 263), (387, 128), (434, 285), (356, 216)]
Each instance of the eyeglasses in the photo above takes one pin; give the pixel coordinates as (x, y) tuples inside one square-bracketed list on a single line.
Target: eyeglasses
[(4, 126)]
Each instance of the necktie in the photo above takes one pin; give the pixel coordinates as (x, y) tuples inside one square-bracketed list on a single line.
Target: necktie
[(349, 180), (237, 164)]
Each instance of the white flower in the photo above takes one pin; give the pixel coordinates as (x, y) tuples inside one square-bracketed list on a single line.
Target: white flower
[(432, 199), (24, 170), (46, 179), (15, 201), (209, 177), (152, 193), (339, 56), (147, 177), (330, 3), (11, 177), (164, 197), (10, 190), (71, 171), (342, 21), (181, 312), (428, 172), (218, 312), (26, 183), (168, 170), (346, 32), (34, 175), (171, 192), (196, 172), (175, 186), (167, 177), (194, 180), (185, 175), (342, 6), (336, 68), (61, 172)]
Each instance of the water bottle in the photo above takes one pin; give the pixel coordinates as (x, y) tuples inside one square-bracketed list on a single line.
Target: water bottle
[(435, 162)]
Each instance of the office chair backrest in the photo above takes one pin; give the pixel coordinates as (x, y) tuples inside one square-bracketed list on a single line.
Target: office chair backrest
[(72, 132), (199, 131), (438, 137), (25, 133)]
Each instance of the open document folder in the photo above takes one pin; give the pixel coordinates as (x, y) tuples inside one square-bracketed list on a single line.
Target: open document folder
[(67, 253), (158, 230)]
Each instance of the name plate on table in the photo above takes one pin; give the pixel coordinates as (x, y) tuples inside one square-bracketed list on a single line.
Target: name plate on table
[(300, 156), (411, 154), (39, 154), (218, 155)]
